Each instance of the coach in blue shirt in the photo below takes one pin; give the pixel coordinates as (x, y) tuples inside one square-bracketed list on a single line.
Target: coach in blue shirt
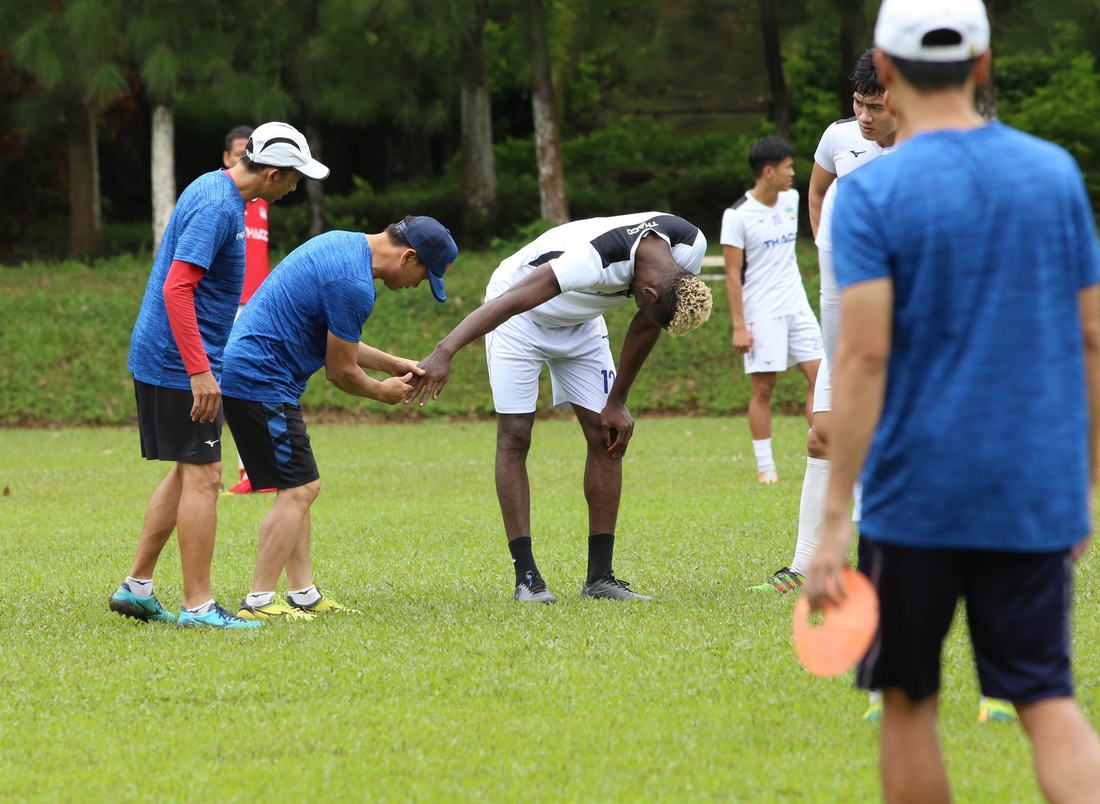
[(310, 313), (967, 386)]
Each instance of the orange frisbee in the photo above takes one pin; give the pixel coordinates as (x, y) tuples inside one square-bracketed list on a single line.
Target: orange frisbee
[(845, 631)]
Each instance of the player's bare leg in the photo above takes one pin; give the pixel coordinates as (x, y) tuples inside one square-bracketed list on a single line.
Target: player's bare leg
[(1065, 748), (603, 475), (514, 496), (603, 485), (809, 369), (299, 574), (911, 762), (160, 521), (760, 424), (196, 525), (513, 488), (280, 533)]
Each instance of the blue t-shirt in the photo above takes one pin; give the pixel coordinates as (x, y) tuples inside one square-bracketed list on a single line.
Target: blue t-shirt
[(206, 229), (988, 238), (280, 339)]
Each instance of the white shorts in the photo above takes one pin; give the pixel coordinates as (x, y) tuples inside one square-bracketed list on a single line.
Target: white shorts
[(779, 343), (823, 388), (581, 367)]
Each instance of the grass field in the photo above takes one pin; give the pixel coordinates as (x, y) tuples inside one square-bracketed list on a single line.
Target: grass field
[(444, 688)]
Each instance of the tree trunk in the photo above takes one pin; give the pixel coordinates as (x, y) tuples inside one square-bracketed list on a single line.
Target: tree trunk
[(315, 190), (479, 180), (773, 62), (853, 32), (85, 212), (553, 204), (163, 167)]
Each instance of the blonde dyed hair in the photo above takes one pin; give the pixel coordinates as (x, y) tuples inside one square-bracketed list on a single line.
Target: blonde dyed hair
[(693, 305)]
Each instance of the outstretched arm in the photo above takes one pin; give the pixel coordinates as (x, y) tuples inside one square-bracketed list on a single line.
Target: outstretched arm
[(539, 286), (615, 419), (377, 360), (342, 370)]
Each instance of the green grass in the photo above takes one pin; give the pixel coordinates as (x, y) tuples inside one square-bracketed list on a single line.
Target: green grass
[(444, 688)]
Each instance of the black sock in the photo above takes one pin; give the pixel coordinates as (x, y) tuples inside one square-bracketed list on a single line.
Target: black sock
[(601, 547), (522, 558)]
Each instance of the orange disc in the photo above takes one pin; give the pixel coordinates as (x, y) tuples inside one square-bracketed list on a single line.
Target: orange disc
[(845, 631)]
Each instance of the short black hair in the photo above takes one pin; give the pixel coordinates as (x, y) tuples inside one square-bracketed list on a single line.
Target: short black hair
[(865, 76), (396, 236), (769, 151), (931, 75), (258, 167), (237, 133)]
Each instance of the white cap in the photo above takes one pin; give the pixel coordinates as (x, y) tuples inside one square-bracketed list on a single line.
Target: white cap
[(282, 145), (961, 29)]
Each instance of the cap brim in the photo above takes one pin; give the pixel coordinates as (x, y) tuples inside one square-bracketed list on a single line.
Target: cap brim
[(437, 287), (313, 170)]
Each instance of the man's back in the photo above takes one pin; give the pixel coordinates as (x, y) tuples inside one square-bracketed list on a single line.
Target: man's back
[(593, 260), (280, 339), (988, 238), (207, 230)]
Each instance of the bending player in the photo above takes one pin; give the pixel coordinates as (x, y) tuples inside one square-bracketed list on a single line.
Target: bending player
[(545, 306)]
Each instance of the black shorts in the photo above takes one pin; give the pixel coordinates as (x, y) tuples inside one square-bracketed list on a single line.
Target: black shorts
[(166, 430), (1017, 608), (272, 442)]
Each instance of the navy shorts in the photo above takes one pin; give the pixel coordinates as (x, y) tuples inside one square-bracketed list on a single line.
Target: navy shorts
[(272, 441), (166, 430), (1017, 608)]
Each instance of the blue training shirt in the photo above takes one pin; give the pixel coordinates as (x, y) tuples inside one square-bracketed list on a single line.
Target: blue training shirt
[(281, 337), (988, 238), (206, 229)]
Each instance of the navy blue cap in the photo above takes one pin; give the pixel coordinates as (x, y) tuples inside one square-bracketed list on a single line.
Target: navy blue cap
[(434, 246)]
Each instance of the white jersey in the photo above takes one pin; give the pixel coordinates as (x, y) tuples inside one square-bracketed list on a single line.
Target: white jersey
[(771, 286), (830, 293), (593, 261), (843, 149)]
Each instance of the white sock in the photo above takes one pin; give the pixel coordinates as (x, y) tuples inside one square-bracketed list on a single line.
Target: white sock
[(305, 597), (874, 696), (205, 608), (258, 598), (857, 508), (763, 450), (811, 512), (139, 587)]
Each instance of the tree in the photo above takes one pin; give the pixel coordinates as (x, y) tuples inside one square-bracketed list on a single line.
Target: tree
[(479, 182), (74, 52), (553, 202), (773, 63), (174, 43), (854, 38)]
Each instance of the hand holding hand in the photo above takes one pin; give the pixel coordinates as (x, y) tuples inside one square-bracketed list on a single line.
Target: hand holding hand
[(394, 389), (434, 372)]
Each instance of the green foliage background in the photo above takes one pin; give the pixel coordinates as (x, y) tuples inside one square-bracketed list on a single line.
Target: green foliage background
[(66, 328)]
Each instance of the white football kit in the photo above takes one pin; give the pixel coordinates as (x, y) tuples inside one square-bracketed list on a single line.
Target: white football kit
[(843, 149), (776, 309), (593, 261)]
